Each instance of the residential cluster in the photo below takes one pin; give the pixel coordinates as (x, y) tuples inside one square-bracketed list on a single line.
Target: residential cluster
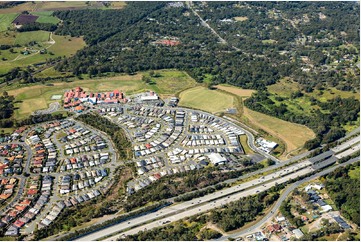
[(11, 159), (168, 141), (29, 206), (310, 207), (7, 188)]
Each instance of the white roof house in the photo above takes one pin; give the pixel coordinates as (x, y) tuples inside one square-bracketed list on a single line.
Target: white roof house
[(298, 233), (326, 208), (149, 98), (217, 159)]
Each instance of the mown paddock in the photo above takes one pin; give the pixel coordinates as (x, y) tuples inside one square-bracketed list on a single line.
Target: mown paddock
[(6, 19), (41, 94), (203, 98), (64, 45), (235, 90), (24, 38), (46, 17), (293, 135)]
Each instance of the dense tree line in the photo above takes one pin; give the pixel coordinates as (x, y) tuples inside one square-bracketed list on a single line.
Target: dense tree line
[(231, 216), (37, 26), (345, 192), (177, 184), (285, 209), (6, 110), (121, 142), (10, 4)]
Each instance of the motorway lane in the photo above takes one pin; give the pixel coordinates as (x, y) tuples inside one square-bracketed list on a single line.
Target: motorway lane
[(205, 199), (283, 197), (214, 204), (349, 151), (346, 144), (210, 198)]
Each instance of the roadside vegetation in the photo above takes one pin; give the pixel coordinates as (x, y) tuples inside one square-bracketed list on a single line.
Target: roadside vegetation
[(117, 134), (206, 226), (177, 184), (343, 186)]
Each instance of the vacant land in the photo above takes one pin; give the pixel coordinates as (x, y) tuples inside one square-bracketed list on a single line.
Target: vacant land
[(40, 95), (172, 82), (64, 45), (241, 19), (6, 20), (269, 41), (209, 100), (294, 135), (236, 90), (355, 174), (24, 38), (284, 87), (51, 72), (41, 6), (45, 17), (117, 5)]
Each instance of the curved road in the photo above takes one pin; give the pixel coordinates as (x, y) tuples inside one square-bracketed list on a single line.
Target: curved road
[(283, 197), (21, 177)]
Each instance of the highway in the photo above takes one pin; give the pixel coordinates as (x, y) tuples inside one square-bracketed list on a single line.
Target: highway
[(346, 144), (210, 201), (282, 197)]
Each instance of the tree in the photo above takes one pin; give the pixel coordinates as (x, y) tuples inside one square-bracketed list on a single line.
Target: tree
[(146, 79)]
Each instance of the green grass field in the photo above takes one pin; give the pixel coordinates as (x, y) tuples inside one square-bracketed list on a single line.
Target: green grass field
[(40, 6), (284, 87), (45, 17), (34, 97), (61, 47), (355, 174), (25, 37), (6, 20), (51, 72), (171, 82), (209, 100), (294, 135), (236, 90), (247, 149)]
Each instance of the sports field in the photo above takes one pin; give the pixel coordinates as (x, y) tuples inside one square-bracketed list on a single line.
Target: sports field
[(202, 98)]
